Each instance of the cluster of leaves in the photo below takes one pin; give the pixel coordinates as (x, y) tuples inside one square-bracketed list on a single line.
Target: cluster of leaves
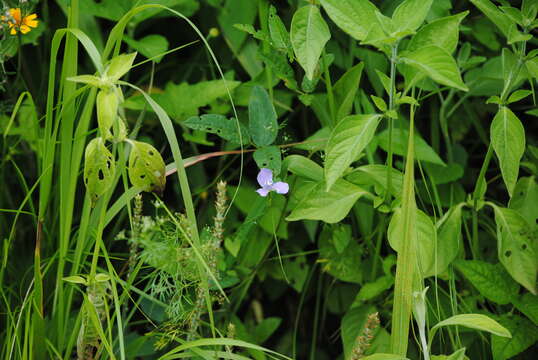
[(404, 128)]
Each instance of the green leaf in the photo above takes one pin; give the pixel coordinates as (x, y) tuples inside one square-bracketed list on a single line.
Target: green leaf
[(508, 141), (269, 157), (304, 167), (532, 67), (456, 355), (281, 67), (146, 167), (150, 46), (348, 139), (370, 290), (309, 33), (528, 305), (119, 66), (443, 33), (516, 249), (75, 279), (436, 63), (377, 175), (355, 17), (86, 79), (236, 12), (352, 326), (342, 265), (379, 103), (107, 103), (99, 169), (492, 281), (410, 14), (473, 321), (423, 151), (525, 199), (266, 328), (220, 125), (263, 124), (444, 174), (345, 90), (425, 241), (524, 334), (500, 19), (280, 37), (329, 206), (518, 95)]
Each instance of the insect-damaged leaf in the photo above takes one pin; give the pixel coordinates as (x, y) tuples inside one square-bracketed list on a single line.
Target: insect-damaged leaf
[(99, 168), (146, 167)]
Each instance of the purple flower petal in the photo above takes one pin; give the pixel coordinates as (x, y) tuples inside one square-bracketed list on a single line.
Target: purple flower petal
[(263, 191), (281, 187), (265, 177)]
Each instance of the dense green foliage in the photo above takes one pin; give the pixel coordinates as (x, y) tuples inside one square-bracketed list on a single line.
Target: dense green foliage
[(321, 179)]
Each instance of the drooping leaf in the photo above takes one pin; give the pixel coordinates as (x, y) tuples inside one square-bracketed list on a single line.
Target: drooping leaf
[(490, 280), (269, 157), (146, 167), (355, 17), (309, 33), (348, 139), (263, 124), (474, 321), (304, 167), (329, 206), (99, 169), (220, 125), (508, 141), (516, 247), (345, 90), (377, 175), (436, 63), (410, 14)]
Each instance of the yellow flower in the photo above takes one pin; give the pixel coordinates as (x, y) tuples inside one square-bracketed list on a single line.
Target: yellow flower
[(17, 22)]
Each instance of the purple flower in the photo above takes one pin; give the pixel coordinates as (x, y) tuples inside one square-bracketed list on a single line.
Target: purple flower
[(265, 179)]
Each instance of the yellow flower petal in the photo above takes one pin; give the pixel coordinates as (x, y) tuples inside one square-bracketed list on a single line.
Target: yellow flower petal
[(31, 23), (25, 29), (16, 14), (13, 31)]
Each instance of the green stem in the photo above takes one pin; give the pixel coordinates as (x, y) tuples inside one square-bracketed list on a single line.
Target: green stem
[(330, 92), (393, 58)]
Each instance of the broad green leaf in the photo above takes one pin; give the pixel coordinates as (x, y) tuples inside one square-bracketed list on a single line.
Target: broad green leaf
[(236, 12), (266, 328), (151, 46), (146, 167), (508, 141), (448, 239), (372, 289), (524, 334), (269, 157), (107, 111), (436, 63), (492, 281), (377, 175), (99, 169), (525, 199), (317, 141), (473, 321), (503, 21), (304, 167), (342, 265), (528, 305), (443, 33), (75, 279), (263, 124), (119, 66), (425, 241), (220, 125), (280, 66), (518, 95), (444, 174), (355, 17), (516, 248), (280, 37), (345, 90), (532, 67), (309, 33), (423, 151), (352, 325), (457, 355), (348, 139), (329, 206), (410, 14)]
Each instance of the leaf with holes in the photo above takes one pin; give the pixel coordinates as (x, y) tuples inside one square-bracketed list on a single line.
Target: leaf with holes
[(516, 247), (220, 125), (146, 167), (508, 141), (99, 169), (269, 157), (263, 124)]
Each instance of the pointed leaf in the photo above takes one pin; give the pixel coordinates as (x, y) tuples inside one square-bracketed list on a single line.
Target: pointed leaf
[(119, 66), (410, 14), (355, 17), (443, 33), (263, 124), (345, 90), (309, 33), (347, 141), (146, 167), (474, 321)]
